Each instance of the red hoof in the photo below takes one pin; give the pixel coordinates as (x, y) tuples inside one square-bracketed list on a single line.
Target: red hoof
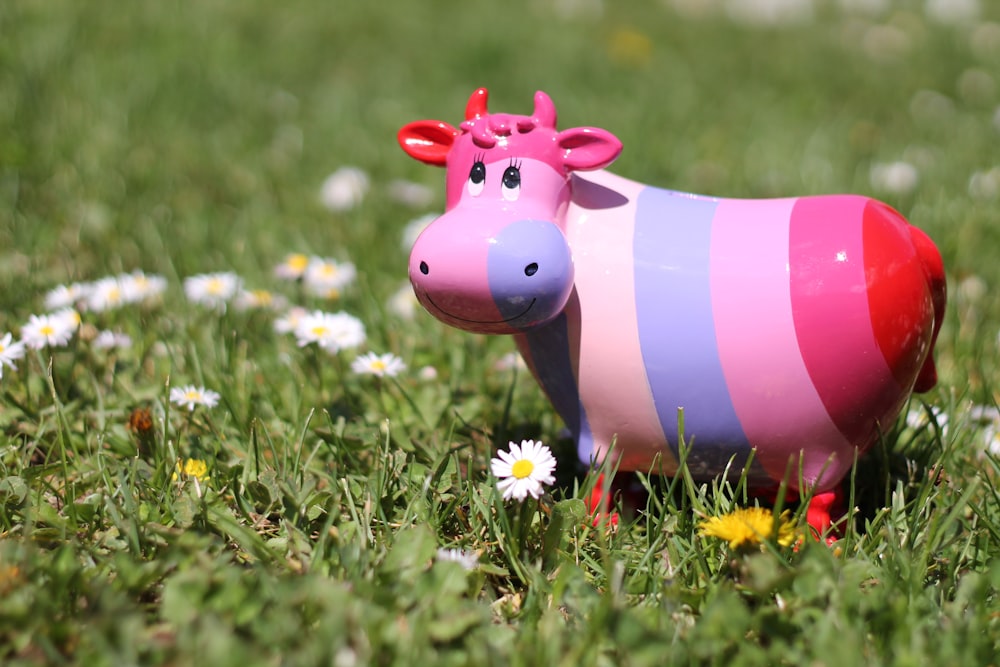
[(823, 507), (599, 503)]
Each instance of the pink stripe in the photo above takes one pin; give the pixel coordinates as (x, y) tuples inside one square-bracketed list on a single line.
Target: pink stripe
[(833, 320), (780, 410), (601, 237)]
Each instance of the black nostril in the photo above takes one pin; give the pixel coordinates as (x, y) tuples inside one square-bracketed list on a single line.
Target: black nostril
[(424, 269), (531, 269)]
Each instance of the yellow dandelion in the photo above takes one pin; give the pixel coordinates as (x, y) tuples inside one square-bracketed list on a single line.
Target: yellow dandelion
[(195, 468), (749, 527)]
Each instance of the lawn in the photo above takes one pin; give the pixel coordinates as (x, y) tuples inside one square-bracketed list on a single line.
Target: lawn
[(186, 481)]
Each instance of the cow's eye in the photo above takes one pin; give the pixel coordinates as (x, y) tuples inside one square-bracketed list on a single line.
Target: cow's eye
[(477, 178), (511, 186)]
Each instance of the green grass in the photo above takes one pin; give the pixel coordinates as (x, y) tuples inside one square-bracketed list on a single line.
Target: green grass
[(185, 138)]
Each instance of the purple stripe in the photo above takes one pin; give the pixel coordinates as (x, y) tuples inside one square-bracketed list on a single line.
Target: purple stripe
[(546, 349), (677, 331)]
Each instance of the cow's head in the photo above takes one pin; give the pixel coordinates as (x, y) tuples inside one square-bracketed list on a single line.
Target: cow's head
[(497, 261)]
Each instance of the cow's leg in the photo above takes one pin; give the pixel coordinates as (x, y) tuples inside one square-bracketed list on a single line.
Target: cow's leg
[(824, 509), (626, 486)]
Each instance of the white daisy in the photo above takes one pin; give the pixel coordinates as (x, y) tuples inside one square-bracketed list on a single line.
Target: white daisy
[(469, 560), (344, 189), (260, 299), (412, 194), (66, 296), (524, 470), (105, 294), (894, 177), (107, 340), (325, 277), (138, 287), (379, 365), (509, 362), (212, 289), (403, 302), (52, 330), (292, 267), (190, 397), (330, 331), (10, 352), (69, 316), (289, 322), (415, 228), (953, 11)]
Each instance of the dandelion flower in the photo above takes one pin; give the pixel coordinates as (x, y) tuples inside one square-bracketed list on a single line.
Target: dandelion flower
[(9, 352), (524, 469), (469, 560), (379, 365), (748, 527), (193, 468), (190, 397), (212, 289), (293, 267), (344, 189), (331, 331), (52, 330)]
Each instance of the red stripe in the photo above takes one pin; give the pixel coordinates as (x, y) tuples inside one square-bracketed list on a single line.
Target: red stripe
[(899, 299)]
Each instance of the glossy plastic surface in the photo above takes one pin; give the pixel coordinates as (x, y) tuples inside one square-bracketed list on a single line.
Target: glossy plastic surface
[(794, 327)]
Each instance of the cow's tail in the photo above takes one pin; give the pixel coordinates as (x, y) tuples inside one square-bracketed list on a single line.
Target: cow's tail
[(930, 259)]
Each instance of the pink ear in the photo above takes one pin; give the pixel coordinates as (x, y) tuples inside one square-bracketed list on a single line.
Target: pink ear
[(428, 140), (588, 148)]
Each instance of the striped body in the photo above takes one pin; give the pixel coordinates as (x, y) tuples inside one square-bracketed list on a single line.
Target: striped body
[(789, 332), (753, 316)]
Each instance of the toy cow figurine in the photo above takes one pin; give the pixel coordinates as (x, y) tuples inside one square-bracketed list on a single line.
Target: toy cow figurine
[(794, 328)]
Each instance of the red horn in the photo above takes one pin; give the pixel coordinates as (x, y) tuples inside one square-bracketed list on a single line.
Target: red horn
[(477, 105), (545, 110)]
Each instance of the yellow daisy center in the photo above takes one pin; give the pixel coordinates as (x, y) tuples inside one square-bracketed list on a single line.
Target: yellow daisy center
[(192, 395), (319, 331), (378, 365), (46, 330), (522, 469), (298, 262), (215, 286)]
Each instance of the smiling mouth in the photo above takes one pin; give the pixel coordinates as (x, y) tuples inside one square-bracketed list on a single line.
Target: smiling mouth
[(464, 319)]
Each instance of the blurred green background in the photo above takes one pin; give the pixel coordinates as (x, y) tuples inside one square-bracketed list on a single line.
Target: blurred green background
[(188, 137)]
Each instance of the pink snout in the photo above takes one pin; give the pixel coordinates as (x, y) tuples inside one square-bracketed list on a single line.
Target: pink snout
[(500, 278)]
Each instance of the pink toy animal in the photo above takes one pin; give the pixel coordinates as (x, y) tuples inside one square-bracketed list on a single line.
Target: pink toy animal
[(794, 328)]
